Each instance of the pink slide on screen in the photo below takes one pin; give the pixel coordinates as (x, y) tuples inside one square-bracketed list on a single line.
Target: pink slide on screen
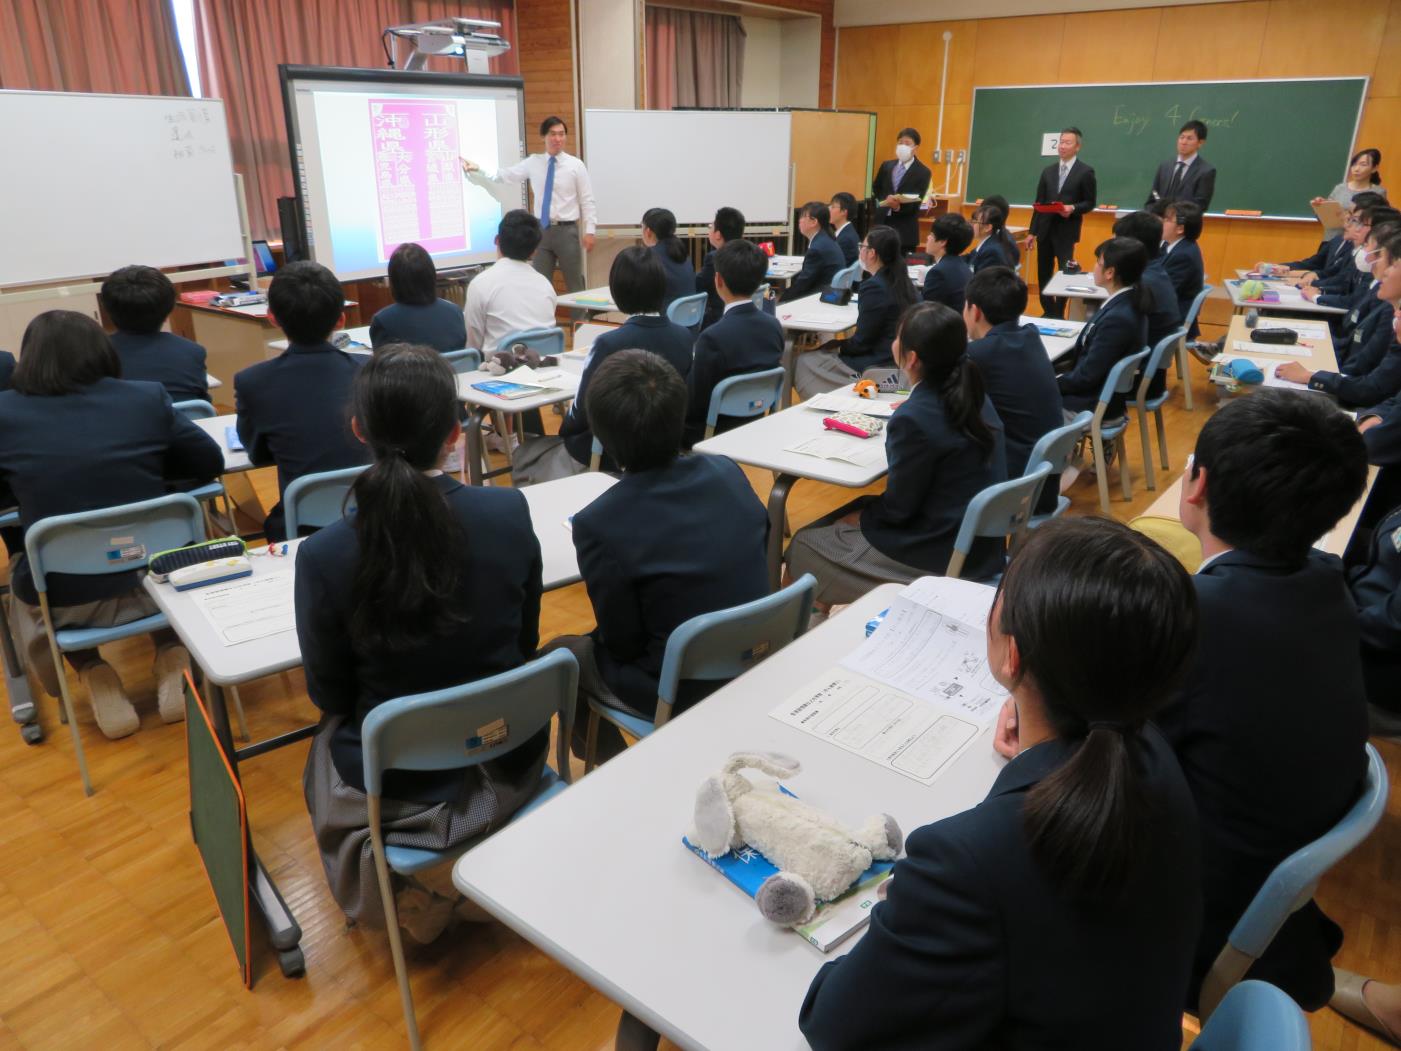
[(416, 174)]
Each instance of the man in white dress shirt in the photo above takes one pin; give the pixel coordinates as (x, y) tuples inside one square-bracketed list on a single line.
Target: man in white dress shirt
[(564, 204)]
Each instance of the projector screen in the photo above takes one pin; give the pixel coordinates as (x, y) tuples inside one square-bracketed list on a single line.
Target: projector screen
[(375, 159)]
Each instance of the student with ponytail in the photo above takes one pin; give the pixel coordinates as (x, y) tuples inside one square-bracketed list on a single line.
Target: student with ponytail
[(1062, 910), (659, 234), (1118, 329), (944, 445), (885, 294), (427, 584)]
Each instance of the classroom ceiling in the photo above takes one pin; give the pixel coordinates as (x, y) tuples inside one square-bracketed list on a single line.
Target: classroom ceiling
[(890, 12)]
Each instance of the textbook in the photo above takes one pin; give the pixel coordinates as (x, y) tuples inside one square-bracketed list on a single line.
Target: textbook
[(507, 390), (834, 921), (1047, 328)]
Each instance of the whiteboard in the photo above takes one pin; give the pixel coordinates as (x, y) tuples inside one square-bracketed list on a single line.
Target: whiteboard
[(94, 182), (690, 162)]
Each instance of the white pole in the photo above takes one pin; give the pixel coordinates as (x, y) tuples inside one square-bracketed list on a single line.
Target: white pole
[(943, 88)]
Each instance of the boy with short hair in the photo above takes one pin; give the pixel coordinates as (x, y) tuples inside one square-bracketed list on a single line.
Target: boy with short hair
[(293, 409), (138, 299), (678, 536), (949, 272), (727, 226), (1271, 719), (841, 206), (744, 339), (1182, 257), (510, 295)]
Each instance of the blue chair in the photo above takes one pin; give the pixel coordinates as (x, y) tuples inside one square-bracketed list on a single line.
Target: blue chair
[(195, 409), (713, 647), (1184, 372), (761, 294), (1119, 381), (847, 275), (315, 501), (443, 730), (748, 394), (468, 360), (596, 455), (544, 341), (687, 311), (1255, 1016), (82, 544), (1057, 448), (1000, 510), (1291, 886), (1157, 362)]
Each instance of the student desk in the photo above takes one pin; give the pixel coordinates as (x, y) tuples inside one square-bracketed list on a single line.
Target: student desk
[(1290, 300), (598, 879), (552, 505), (593, 300), (217, 427), (763, 443), (1056, 346), (808, 314), (236, 337), (1063, 286), (481, 405), (359, 341), (1321, 357)]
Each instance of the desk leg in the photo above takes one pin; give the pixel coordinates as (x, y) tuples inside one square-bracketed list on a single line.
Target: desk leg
[(1075, 311), (778, 500), (785, 392), (635, 1036), (22, 708), (474, 446)]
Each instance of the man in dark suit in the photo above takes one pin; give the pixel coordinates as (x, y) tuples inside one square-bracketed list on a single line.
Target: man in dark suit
[(745, 339), (293, 410), (905, 175), (1188, 176), (948, 275), (1182, 257), (678, 536), (843, 206), (727, 226), (1271, 741), (1070, 184)]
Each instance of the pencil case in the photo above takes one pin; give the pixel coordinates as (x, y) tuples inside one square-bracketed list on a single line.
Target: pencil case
[(855, 423)]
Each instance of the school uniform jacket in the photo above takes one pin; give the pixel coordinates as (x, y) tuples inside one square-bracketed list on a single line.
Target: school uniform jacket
[(652, 332), (109, 443), (905, 219), (945, 281), (974, 947), (1198, 183), (1369, 341), (1376, 591), (439, 324), (660, 547), (745, 339), (849, 241), (294, 411), (498, 559), (176, 363), (820, 264), (1188, 276), (705, 282), (1022, 387), (1326, 251), (1271, 743), (680, 276), (877, 320), (1163, 319), (934, 472), (1339, 263), (992, 252), (1362, 302), (1377, 384), (1079, 190), (1116, 331), (7, 369)]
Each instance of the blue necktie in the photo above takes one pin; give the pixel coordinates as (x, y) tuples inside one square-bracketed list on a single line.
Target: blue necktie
[(549, 192)]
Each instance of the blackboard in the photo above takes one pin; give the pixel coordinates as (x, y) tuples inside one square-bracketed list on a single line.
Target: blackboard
[(1275, 143)]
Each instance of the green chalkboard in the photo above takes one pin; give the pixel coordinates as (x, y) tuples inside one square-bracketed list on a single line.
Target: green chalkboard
[(1275, 143)]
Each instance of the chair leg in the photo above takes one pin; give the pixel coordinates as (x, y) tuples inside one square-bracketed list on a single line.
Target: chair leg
[(591, 743), (238, 713), (1125, 477), (1184, 373), (66, 711), (1101, 470), (1162, 437), (1147, 450), (391, 920)]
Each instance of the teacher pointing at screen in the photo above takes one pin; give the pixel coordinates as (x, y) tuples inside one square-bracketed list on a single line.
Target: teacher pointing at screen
[(563, 201)]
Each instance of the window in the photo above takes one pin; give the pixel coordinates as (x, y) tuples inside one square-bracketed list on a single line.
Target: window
[(184, 11)]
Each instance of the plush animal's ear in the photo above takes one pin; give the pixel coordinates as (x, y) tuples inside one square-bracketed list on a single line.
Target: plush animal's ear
[(775, 764), (714, 818)]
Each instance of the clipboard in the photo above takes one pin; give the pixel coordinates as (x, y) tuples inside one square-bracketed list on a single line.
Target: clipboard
[(1330, 214)]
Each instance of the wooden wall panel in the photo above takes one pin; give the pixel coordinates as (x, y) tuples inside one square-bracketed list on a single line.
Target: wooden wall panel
[(546, 64), (1108, 46), (1386, 78), (867, 75), (919, 62), (1019, 50), (829, 151), (1381, 127), (1295, 46), (1211, 42)]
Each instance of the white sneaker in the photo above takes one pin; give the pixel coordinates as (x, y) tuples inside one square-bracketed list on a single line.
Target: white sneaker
[(172, 662), (115, 716)]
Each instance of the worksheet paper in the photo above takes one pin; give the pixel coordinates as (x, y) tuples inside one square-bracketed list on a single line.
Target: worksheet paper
[(249, 608), (859, 452), (916, 693), (841, 401), (1296, 350)]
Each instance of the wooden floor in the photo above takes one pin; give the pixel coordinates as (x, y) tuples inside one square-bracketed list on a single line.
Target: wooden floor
[(109, 937)]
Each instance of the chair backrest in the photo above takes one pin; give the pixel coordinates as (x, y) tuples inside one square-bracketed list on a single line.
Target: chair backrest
[(688, 310), (1196, 308), (1255, 1016), (999, 510), (596, 455), (195, 409), (318, 500), (749, 394), (1057, 447), (847, 275), (728, 642), (1120, 379), (467, 360), (112, 539), (760, 295), (544, 341), (472, 723), (1159, 358)]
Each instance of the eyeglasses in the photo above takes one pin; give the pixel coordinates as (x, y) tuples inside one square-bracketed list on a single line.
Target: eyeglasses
[(1353, 220), (864, 245)]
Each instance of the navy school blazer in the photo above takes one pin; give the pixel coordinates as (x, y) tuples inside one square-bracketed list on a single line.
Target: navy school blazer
[(1271, 747), (640, 332), (1163, 319), (1361, 303), (992, 252), (660, 547), (1116, 331), (945, 281), (849, 241), (820, 264), (1376, 385), (1188, 276), (109, 443), (176, 363), (934, 472), (680, 276), (294, 412), (499, 592), (1369, 341), (975, 948), (705, 282), (439, 324), (1321, 257), (1376, 591), (745, 339), (877, 321)]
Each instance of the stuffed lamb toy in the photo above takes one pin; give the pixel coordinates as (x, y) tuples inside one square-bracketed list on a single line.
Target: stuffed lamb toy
[(818, 857)]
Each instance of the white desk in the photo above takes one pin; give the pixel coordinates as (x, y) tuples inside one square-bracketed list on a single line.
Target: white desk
[(808, 314), (212, 381), (1290, 300), (217, 428), (359, 340), (1071, 287), (595, 300), (597, 877), (1056, 346), (783, 267), (762, 443), (552, 504), (566, 385)]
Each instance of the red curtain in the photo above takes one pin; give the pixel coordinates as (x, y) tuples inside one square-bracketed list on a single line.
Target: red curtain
[(694, 58), (243, 41), (123, 47)]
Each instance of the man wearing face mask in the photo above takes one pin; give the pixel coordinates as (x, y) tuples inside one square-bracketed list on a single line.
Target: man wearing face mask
[(898, 188)]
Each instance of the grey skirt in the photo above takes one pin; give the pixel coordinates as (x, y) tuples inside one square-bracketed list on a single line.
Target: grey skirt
[(340, 818), (843, 561)]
